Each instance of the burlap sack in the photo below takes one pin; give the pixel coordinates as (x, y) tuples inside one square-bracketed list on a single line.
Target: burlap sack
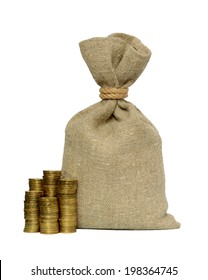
[(113, 149)]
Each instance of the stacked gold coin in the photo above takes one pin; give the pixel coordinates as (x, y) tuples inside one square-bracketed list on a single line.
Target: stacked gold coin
[(51, 181), (36, 185), (31, 211), (67, 195), (49, 215)]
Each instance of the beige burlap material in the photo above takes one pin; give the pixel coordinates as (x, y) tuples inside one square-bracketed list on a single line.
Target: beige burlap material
[(112, 148)]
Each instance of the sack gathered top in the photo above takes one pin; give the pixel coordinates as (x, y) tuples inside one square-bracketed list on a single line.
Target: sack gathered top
[(113, 150)]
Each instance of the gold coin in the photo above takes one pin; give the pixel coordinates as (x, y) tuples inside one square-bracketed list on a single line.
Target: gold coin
[(67, 199), (68, 223), (31, 230), (54, 226), (32, 218), (67, 229), (48, 199), (69, 211), (49, 209), (29, 212), (33, 193), (31, 204), (36, 188), (49, 183), (49, 232), (57, 172), (64, 181), (35, 182), (49, 217)]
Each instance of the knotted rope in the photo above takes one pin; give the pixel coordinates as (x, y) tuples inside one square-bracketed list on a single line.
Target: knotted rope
[(113, 93)]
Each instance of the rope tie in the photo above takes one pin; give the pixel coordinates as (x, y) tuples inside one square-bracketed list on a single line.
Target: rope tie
[(113, 93)]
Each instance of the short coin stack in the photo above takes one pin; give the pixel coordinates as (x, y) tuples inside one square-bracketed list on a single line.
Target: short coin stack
[(67, 196), (51, 180), (31, 210), (36, 185), (49, 215)]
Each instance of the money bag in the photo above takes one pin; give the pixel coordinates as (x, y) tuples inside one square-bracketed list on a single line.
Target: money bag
[(113, 150)]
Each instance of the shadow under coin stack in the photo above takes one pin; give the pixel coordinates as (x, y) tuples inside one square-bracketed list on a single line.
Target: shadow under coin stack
[(51, 180), (49, 215), (31, 211), (67, 196)]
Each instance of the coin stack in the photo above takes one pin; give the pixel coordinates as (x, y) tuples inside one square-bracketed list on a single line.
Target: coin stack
[(31, 210), (67, 196), (36, 185), (51, 181), (49, 215)]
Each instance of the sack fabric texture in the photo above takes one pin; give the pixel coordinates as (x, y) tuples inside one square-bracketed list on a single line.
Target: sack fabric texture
[(113, 149)]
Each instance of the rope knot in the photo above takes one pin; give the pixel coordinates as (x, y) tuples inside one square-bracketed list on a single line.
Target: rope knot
[(113, 93)]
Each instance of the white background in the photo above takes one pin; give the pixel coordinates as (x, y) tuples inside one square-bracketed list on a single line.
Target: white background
[(44, 82)]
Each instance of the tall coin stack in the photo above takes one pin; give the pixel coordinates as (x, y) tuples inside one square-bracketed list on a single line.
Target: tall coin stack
[(49, 215), (51, 180), (31, 210), (67, 196)]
